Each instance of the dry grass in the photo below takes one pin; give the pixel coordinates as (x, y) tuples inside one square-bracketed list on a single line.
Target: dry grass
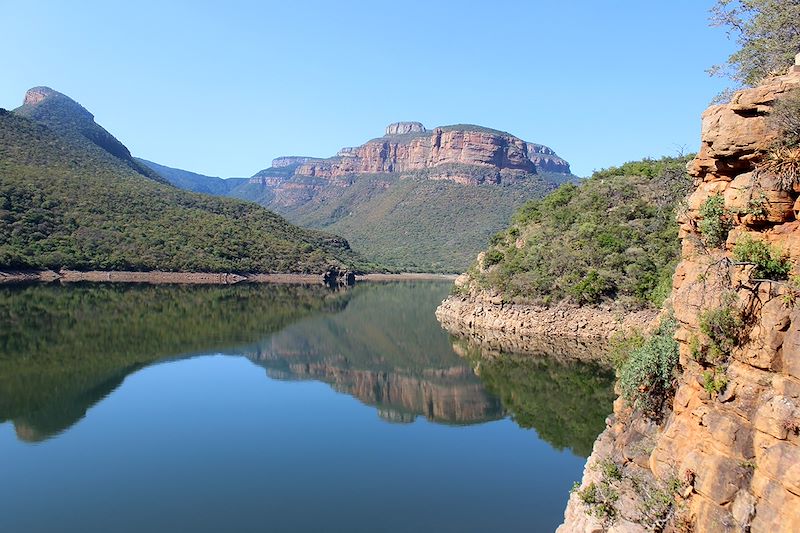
[(784, 162)]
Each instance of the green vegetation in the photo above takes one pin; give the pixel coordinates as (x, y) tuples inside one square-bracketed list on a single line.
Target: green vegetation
[(614, 236), (69, 203), (413, 223), (647, 376), (785, 118), (714, 224), (601, 497), (69, 119), (768, 33), (714, 381), (769, 262), (722, 332)]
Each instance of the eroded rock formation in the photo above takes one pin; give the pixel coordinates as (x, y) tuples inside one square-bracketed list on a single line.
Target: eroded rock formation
[(465, 154), (729, 442)]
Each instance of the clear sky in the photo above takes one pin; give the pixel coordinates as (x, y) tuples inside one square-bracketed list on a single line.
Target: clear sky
[(221, 88)]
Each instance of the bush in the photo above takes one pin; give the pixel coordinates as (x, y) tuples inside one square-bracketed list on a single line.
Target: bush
[(722, 328), (714, 381), (769, 261), (646, 378), (492, 257), (591, 288), (714, 225)]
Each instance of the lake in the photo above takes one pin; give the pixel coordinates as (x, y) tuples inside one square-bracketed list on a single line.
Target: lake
[(278, 408)]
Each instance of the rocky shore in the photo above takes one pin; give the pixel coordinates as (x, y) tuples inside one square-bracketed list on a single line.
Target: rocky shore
[(486, 318)]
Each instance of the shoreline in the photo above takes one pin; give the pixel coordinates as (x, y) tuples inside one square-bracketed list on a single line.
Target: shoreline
[(513, 327), (8, 277)]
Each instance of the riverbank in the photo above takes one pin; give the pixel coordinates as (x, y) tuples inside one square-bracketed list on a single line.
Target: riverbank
[(193, 278), (487, 319)]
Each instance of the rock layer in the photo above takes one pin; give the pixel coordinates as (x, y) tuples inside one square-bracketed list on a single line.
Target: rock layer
[(466, 154), (731, 433), (485, 318)]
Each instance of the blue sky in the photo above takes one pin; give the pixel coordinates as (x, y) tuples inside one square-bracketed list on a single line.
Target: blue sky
[(222, 88)]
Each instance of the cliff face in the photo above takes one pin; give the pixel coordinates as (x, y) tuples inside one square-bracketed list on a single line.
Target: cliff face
[(729, 440), (409, 147)]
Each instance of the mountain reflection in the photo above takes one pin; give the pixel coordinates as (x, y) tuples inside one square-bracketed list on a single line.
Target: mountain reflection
[(65, 348), (387, 350)]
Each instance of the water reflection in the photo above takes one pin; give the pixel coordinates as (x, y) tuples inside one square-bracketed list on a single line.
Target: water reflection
[(564, 399), (65, 348)]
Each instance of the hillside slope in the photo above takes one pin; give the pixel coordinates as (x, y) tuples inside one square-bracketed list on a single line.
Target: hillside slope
[(66, 202), (67, 117)]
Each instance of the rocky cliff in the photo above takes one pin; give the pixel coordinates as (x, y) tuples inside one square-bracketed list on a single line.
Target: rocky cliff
[(724, 455), (414, 199), (409, 147)]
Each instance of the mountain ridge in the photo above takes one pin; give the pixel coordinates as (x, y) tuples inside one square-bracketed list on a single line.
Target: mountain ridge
[(70, 199)]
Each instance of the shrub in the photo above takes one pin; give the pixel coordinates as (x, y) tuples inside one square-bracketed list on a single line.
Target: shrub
[(591, 288), (646, 378), (492, 257), (622, 345), (722, 328), (714, 381), (769, 261), (715, 224)]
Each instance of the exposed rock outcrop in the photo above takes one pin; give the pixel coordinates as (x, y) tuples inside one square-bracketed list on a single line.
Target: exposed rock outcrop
[(402, 128), (730, 437), (465, 154), (484, 317)]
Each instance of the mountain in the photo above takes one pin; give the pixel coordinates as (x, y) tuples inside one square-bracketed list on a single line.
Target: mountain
[(192, 181), (67, 117), (71, 197), (416, 199)]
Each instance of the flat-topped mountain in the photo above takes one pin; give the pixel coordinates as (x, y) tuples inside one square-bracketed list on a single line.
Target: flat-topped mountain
[(463, 153), (415, 199)]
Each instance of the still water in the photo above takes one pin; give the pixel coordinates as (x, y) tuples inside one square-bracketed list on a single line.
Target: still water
[(277, 408)]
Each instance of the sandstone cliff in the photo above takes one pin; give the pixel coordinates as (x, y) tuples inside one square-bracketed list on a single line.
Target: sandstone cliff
[(725, 454), (463, 153)]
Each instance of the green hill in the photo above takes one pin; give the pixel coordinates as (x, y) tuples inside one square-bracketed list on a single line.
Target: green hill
[(613, 236), (68, 202)]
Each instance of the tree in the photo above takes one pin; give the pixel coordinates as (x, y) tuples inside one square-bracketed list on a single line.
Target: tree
[(768, 32)]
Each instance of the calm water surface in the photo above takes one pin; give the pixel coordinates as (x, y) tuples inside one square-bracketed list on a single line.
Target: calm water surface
[(258, 408)]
